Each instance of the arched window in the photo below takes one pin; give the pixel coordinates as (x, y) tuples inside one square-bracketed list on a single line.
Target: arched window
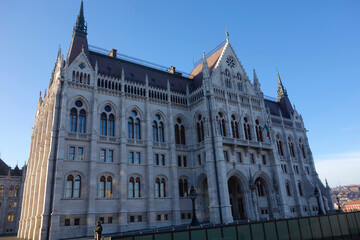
[(2, 191), (109, 192), (102, 187), (227, 79), (258, 131), (287, 185), (11, 191), (73, 120), (234, 127), (78, 121), (301, 146), (158, 129), (200, 129), (291, 147), (183, 188), (160, 188), (17, 188), (107, 124), (260, 187), (11, 217), (103, 124), (221, 124), (239, 84), (179, 132), (73, 186), (300, 189), (134, 126), (134, 187), (279, 145), (247, 129)]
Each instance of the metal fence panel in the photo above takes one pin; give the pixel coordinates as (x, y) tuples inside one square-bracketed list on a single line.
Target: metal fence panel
[(325, 226), (270, 230), (305, 228), (146, 237), (294, 229), (282, 229), (229, 233), (244, 232), (181, 236), (257, 231), (163, 236), (352, 224), (198, 234)]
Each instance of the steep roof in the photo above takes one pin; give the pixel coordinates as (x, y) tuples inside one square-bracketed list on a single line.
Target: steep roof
[(212, 60), (4, 168), (353, 202), (110, 66), (276, 108)]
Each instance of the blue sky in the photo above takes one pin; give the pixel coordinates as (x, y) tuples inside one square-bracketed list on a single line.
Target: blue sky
[(314, 45)]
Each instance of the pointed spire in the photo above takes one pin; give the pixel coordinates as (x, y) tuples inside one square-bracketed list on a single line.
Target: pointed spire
[(80, 21), (205, 67), (281, 90), (256, 82), (227, 35)]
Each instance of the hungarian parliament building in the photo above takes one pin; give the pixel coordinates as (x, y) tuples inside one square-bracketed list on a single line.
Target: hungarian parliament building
[(119, 141)]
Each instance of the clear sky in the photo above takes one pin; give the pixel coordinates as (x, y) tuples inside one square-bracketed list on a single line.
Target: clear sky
[(315, 45)]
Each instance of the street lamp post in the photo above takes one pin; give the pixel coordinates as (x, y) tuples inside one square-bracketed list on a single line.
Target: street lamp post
[(192, 196)]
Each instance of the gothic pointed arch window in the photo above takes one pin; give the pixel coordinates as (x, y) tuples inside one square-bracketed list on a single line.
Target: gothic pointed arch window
[(287, 186), (302, 148), (158, 129), (78, 118), (160, 187), (221, 124), (247, 130), (260, 187), (258, 131), (234, 127), (200, 128), (279, 145), (179, 132), (102, 184), (11, 191), (2, 188), (107, 122), (300, 189), (183, 187), (17, 189), (291, 147), (134, 125), (73, 186), (134, 187), (227, 79)]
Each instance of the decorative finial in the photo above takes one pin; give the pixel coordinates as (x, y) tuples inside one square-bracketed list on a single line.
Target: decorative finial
[(80, 25), (281, 90), (227, 35)]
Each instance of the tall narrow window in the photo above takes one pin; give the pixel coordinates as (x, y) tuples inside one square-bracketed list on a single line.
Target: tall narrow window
[(73, 120), (287, 185), (181, 188), (302, 148), (11, 191), (260, 188), (78, 118), (137, 187), (131, 157), (77, 187), (102, 187), (279, 145), (179, 132), (291, 147), (258, 131), (200, 129), (239, 84), (111, 125), (69, 186), (247, 129), (158, 129), (103, 124), (137, 158), (221, 124), (82, 121), (160, 190), (80, 153), (111, 156), (300, 189), (227, 79), (134, 125), (2, 191), (71, 153), (102, 155), (234, 127), (131, 187), (109, 187)]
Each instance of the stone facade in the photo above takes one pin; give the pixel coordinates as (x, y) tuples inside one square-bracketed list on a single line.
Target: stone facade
[(121, 142), (11, 188)]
